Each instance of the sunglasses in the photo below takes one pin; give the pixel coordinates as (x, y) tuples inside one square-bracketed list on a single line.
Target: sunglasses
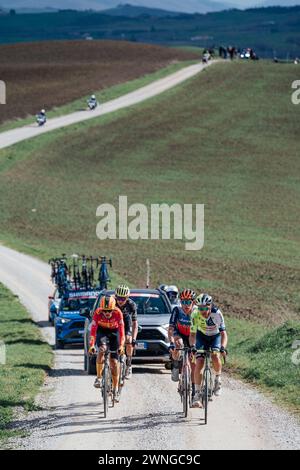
[(204, 309), (121, 299), (186, 302)]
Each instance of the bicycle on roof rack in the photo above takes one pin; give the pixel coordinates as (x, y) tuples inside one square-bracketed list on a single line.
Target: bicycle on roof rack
[(80, 273)]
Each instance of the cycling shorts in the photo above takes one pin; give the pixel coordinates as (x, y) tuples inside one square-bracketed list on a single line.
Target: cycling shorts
[(111, 339), (204, 343)]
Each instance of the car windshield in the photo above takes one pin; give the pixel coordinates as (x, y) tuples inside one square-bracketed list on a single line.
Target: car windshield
[(150, 304), (72, 305)]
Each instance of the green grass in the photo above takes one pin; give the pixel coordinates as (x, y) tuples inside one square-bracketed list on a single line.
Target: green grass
[(102, 96), (28, 357), (227, 138), (263, 356)]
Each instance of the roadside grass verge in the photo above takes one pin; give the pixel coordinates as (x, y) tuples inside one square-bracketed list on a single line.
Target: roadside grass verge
[(28, 357), (263, 356), (103, 95)]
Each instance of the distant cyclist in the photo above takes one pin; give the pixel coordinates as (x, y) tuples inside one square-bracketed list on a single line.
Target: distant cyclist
[(207, 331), (41, 117), (173, 295), (108, 330), (92, 102), (179, 330), (129, 309)]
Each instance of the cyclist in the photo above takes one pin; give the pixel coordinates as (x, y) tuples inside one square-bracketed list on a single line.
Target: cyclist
[(92, 102), (179, 330), (173, 295), (129, 309), (207, 331), (108, 327)]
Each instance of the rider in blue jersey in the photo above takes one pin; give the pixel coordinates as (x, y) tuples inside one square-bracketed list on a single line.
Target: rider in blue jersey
[(180, 328)]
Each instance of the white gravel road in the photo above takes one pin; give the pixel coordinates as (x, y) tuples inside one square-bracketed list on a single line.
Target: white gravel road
[(149, 414), (13, 136)]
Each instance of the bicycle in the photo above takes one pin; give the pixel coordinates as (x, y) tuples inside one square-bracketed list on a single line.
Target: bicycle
[(207, 387), (184, 386), (208, 383), (122, 361), (106, 388), (103, 278)]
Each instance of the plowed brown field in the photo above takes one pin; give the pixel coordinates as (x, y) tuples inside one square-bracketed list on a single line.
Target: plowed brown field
[(48, 74)]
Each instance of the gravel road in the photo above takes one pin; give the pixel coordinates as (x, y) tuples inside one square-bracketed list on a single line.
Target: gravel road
[(149, 414), (13, 136)]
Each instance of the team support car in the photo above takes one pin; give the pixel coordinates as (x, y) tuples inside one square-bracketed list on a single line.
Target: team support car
[(70, 319), (154, 311)]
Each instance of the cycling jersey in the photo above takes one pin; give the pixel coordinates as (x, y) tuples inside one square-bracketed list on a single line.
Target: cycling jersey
[(129, 310), (208, 326), (180, 321), (114, 323)]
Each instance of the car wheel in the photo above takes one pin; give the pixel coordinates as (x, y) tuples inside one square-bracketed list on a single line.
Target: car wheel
[(85, 361), (59, 344)]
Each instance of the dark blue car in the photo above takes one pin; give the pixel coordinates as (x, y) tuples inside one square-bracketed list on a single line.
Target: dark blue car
[(70, 318)]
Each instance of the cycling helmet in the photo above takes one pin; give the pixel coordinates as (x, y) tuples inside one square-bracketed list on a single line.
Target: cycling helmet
[(172, 293), (171, 289), (203, 299), (122, 291), (107, 303), (93, 97), (187, 294), (43, 111)]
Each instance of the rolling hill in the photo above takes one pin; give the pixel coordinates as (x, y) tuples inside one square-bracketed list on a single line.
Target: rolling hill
[(270, 31)]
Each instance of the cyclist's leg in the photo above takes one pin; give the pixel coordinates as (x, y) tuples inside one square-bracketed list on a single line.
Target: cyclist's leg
[(176, 356), (114, 345), (201, 345), (128, 341), (216, 361), (101, 343), (192, 358)]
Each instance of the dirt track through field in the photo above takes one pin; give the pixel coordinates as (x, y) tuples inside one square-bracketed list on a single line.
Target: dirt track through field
[(149, 414), (14, 136)]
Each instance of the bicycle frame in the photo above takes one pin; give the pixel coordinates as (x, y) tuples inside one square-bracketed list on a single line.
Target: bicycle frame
[(207, 384), (184, 386), (106, 389)]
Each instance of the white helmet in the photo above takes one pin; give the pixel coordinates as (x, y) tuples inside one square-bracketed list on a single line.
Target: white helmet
[(93, 97), (43, 111), (172, 289), (203, 299), (172, 293)]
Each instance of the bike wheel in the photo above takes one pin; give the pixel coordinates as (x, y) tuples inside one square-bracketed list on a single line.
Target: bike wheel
[(105, 389), (205, 396), (186, 392), (122, 375)]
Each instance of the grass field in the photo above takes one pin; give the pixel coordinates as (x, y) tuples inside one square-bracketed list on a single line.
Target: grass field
[(227, 138), (28, 358), (51, 74)]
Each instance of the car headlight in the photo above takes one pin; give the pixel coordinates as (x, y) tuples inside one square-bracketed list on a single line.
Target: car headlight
[(65, 320)]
